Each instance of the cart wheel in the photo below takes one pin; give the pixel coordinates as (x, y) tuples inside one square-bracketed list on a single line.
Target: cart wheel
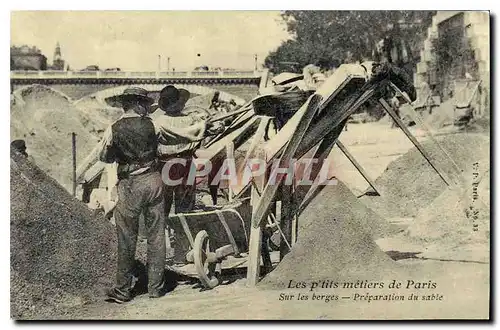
[(204, 268)]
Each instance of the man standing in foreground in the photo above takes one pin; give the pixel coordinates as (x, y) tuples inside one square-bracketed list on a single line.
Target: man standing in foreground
[(132, 142)]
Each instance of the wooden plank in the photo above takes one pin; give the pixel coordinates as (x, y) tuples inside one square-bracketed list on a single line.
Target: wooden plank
[(320, 154), (331, 120), (73, 149), (265, 253), (418, 120), (290, 149), (257, 139), (342, 78), (228, 232), (217, 148), (287, 215), (229, 114), (230, 156), (358, 166), (417, 144), (307, 140), (187, 231), (255, 244)]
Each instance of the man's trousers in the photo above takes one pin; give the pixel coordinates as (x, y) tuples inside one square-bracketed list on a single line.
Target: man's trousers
[(138, 194)]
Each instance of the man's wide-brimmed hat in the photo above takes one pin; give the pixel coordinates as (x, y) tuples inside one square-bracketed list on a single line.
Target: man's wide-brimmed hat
[(131, 93), (172, 99)]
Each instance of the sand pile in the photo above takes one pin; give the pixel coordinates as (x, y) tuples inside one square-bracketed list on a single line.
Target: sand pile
[(446, 225), (335, 242), (61, 256), (349, 207), (46, 119), (95, 115), (409, 183)]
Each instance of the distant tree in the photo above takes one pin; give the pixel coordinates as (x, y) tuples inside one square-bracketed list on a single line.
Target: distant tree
[(329, 38)]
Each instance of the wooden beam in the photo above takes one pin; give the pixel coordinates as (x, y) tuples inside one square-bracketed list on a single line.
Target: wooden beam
[(417, 144), (304, 142), (329, 120), (215, 146), (287, 215), (418, 120), (73, 149), (255, 244), (289, 152), (332, 120), (257, 139), (357, 165), (345, 83), (265, 253), (320, 154), (230, 156)]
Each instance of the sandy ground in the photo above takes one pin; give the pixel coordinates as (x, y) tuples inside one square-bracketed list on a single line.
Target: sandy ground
[(463, 287)]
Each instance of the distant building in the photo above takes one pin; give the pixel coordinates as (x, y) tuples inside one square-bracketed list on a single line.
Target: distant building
[(27, 58), (456, 50), (58, 62)]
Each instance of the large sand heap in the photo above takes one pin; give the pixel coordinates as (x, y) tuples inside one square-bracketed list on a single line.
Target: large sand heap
[(409, 183), (46, 119), (455, 224), (61, 256), (334, 242)]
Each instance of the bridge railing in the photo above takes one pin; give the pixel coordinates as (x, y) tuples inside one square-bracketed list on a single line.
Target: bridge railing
[(132, 74)]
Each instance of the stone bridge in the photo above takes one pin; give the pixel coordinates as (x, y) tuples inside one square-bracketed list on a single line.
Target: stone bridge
[(78, 84)]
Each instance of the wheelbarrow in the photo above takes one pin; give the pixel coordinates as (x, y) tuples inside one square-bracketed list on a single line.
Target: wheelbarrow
[(206, 238)]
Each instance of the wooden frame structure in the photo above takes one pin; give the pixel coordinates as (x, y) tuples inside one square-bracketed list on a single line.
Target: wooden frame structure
[(318, 123)]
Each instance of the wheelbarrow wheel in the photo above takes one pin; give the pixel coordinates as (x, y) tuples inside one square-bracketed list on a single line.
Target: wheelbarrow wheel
[(203, 261)]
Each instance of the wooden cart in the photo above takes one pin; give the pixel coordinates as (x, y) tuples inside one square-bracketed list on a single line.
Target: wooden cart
[(205, 239)]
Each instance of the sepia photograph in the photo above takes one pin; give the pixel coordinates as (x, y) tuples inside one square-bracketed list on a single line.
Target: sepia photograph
[(250, 165)]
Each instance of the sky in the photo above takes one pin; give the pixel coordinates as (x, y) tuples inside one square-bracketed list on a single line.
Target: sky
[(132, 40)]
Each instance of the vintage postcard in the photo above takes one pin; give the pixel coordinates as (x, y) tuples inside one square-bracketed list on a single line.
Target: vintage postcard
[(241, 165)]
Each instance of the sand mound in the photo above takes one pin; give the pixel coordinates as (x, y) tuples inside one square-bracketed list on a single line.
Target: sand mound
[(409, 183), (46, 119), (333, 243), (348, 206), (95, 115), (447, 224), (61, 256)]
